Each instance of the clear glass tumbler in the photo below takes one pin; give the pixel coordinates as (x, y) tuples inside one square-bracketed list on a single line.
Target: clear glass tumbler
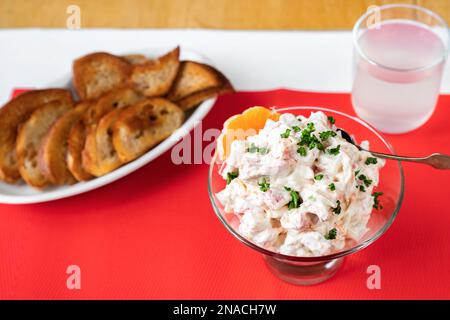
[(399, 55)]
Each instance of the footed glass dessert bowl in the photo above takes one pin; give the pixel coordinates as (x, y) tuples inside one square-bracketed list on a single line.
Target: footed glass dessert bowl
[(302, 270)]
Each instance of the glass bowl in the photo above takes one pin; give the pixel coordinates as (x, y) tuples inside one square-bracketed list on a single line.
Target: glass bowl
[(312, 270)]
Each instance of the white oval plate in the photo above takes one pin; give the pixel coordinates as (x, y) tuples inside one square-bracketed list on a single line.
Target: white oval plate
[(22, 194)]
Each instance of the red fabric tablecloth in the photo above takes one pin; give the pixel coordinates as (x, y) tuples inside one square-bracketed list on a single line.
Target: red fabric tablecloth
[(154, 235)]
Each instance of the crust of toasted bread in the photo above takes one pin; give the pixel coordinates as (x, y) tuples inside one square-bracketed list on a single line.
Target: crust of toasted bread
[(75, 146), (196, 98), (143, 125), (30, 138), (98, 73), (114, 100), (194, 77), (53, 151), (12, 115), (155, 77), (197, 82), (136, 59)]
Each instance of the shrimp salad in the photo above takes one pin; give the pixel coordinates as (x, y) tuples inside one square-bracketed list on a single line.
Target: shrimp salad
[(299, 188)]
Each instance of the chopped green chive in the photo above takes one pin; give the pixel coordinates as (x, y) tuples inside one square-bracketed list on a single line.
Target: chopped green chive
[(296, 200), (332, 186), (310, 127), (334, 151), (331, 235), (361, 188), (357, 172), (255, 149), (318, 177), (231, 176), (367, 182), (337, 210), (324, 135), (286, 133), (331, 119), (252, 148), (296, 128), (302, 151), (371, 160), (264, 185), (376, 201)]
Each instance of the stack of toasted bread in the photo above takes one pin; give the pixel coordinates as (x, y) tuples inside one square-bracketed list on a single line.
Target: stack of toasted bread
[(127, 105)]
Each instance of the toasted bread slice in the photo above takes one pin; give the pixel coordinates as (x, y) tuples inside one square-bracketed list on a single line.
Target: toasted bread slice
[(114, 100), (14, 113), (98, 73), (105, 155), (196, 98), (155, 77), (136, 58), (53, 151), (143, 125), (196, 82), (194, 77), (30, 137), (75, 146)]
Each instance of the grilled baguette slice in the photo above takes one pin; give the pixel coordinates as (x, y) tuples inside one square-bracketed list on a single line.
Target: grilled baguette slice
[(53, 151), (114, 100), (30, 137), (196, 82), (75, 146), (98, 73), (106, 157), (155, 77), (12, 115), (143, 125)]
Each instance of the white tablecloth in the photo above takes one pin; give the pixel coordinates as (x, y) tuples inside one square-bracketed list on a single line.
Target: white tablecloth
[(253, 60)]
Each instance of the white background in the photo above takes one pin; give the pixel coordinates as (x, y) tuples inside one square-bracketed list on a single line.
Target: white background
[(253, 60)]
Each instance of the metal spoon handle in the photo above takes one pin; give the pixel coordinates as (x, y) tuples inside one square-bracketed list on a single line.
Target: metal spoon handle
[(436, 160)]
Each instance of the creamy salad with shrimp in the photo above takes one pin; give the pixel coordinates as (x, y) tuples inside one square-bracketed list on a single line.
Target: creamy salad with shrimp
[(300, 189)]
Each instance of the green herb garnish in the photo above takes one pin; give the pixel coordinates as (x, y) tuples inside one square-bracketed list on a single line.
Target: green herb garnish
[(286, 133), (324, 135), (331, 234), (332, 186), (255, 149), (318, 177), (334, 151), (310, 127), (357, 172), (231, 176), (296, 201), (302, 151), (296, 129), (361, 188), (367, 182), (310, 140), (376, 201), (252, 148), (371, 160), (264, 185), (331, 119), (337, 210)]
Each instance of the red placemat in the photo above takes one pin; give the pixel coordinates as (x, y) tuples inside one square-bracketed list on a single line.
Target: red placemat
[(154, 235)]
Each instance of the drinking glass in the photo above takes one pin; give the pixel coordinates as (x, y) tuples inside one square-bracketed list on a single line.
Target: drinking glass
[(398, 59)]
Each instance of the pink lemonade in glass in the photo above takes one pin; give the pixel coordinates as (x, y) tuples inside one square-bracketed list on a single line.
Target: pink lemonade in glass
[(398, 67)]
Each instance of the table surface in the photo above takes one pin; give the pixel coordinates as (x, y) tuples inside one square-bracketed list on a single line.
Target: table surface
[(222, 14), (130, 246)]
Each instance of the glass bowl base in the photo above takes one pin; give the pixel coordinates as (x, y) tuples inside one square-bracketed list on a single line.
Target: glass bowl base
[(303, 273)]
